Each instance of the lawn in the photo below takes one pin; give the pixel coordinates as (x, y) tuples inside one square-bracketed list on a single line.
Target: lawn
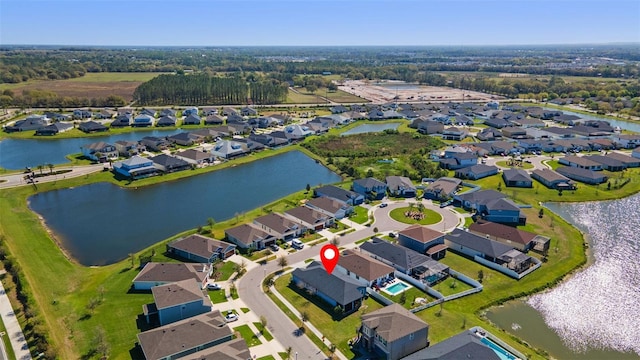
[(410, 295), (507, 163), (217, 296), (360, 215), (430, 216), (247, 334), (223, 272), (338, 226), (267, 335), (452, 286)]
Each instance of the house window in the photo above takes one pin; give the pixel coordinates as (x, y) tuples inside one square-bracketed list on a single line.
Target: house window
[(348, 272), (412, 336), (357, 277)]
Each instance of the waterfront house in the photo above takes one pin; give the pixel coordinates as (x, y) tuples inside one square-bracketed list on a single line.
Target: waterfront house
[(466, 345), (511, 236), (636, 153), (492, 206), (608, 163), (442, 189), (154, 274), (168, 164), (143, 120), (279, 226), (580, 162), (177, 301), (53, 129), (184, 139), (249, 236), (393, 332), (296, 132), (198, 337), (269, 140), (400, 186), (136, 167), (372, 188), (364, 269), (420, 238), (552, 179), (334, 208), (202, 249), (474, 246), (309, 218), (92, 127), (155, 143), (336, 289), (128, 148), (228, 149), (627, 160), (166, 121), (122, 121), (405, 260), (582, 175), (476, 172), (99, 151), (195, 157), (627, 141), (517, 178), (334, 192)]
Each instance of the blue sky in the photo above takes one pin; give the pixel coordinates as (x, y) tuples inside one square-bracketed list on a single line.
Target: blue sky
[(318, 22)]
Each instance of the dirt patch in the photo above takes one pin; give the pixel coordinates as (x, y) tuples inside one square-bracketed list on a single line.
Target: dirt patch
[(84, 89), (386, 91)]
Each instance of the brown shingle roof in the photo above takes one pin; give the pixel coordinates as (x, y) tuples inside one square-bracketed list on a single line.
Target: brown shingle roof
[(177, 293), (307, 215), (171, 272), (246, 233), (276, 222), (231, 350), (502, 231), (326, 204), (200, 245), (420, 233), (393, 322), (364, 266), (183, 335)]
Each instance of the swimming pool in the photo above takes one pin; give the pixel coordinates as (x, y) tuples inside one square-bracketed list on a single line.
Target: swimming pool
[(396, 288), (502, 353)]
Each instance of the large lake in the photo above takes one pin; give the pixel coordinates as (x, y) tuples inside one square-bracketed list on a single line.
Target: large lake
[(101, 223), (594, 314), (15, 154), (370, 128)]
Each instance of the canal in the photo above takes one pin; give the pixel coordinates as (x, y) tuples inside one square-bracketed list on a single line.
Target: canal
[(101, 223), (370, 128)]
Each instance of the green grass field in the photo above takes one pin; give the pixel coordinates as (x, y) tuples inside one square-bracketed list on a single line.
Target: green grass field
[(505, 163), (430, 216), (360, 215), (248, 335)]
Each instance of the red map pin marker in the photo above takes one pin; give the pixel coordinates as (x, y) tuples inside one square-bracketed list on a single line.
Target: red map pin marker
[(329, 255)]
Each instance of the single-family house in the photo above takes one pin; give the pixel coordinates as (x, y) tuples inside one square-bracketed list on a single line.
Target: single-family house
[(583, 175), (627, 160), (581, 162), (228, 149), (459, 160), (124, 111), (337, 209), (296, 132), (476, 172), (190, 111), (420, 238), (552, 179), (466, 345), (454, 133), (249, 236), (248, 111), (166, 120), (168, 164), (154, 274), (511, 236), (57, 116), (489, 134), (364, 269), (227, 111), (213, 119), (442, 189), (147, 111), (497, 123), (128, 148), (155, 143), (627, 141), (186, 338), (338, 109), (400, 186), (309, 218), (269, 140), (195, 157), (636, 153), (608, 163), (334, 192), (92, 127), (405, 260), (514, 132), (430, 127), (99, 151), (143, 120), (517, 178), (473, 245), (81, 114), (136, 167), (103, 114), (393, 332), (122, 121), (336, 289), (372, 188), (279, 226), (493, 206), (183, 138), (202, 249), (177, 301), (192, 119), (53, 129)]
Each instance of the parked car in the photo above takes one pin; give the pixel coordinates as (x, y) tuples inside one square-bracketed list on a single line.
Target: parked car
[(231, 316), (213, 286), (297, 244), (383, 205), (274, 247)]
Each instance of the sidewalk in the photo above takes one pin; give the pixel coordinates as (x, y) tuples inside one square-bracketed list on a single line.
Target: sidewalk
[(18, 342)]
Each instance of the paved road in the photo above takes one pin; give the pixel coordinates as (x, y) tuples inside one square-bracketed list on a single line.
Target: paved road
[(250, 290), (536, 161), (17, 179), (14, 332)]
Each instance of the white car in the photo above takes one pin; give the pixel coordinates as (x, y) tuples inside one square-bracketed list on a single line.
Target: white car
[(297, 244), (213, 286), (231, 316)]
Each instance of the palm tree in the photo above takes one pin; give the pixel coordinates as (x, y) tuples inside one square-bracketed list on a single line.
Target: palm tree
[(50, 168), (40, 167), (420, 207)]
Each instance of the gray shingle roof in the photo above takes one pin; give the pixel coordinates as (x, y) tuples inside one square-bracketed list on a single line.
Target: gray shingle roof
[(516, 175), (393, 322), (481, 244), (399, 255), (337, 286), (201, 245), (369, 182), (336, 192), (464, 346), (170, 272), (177, 293)]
